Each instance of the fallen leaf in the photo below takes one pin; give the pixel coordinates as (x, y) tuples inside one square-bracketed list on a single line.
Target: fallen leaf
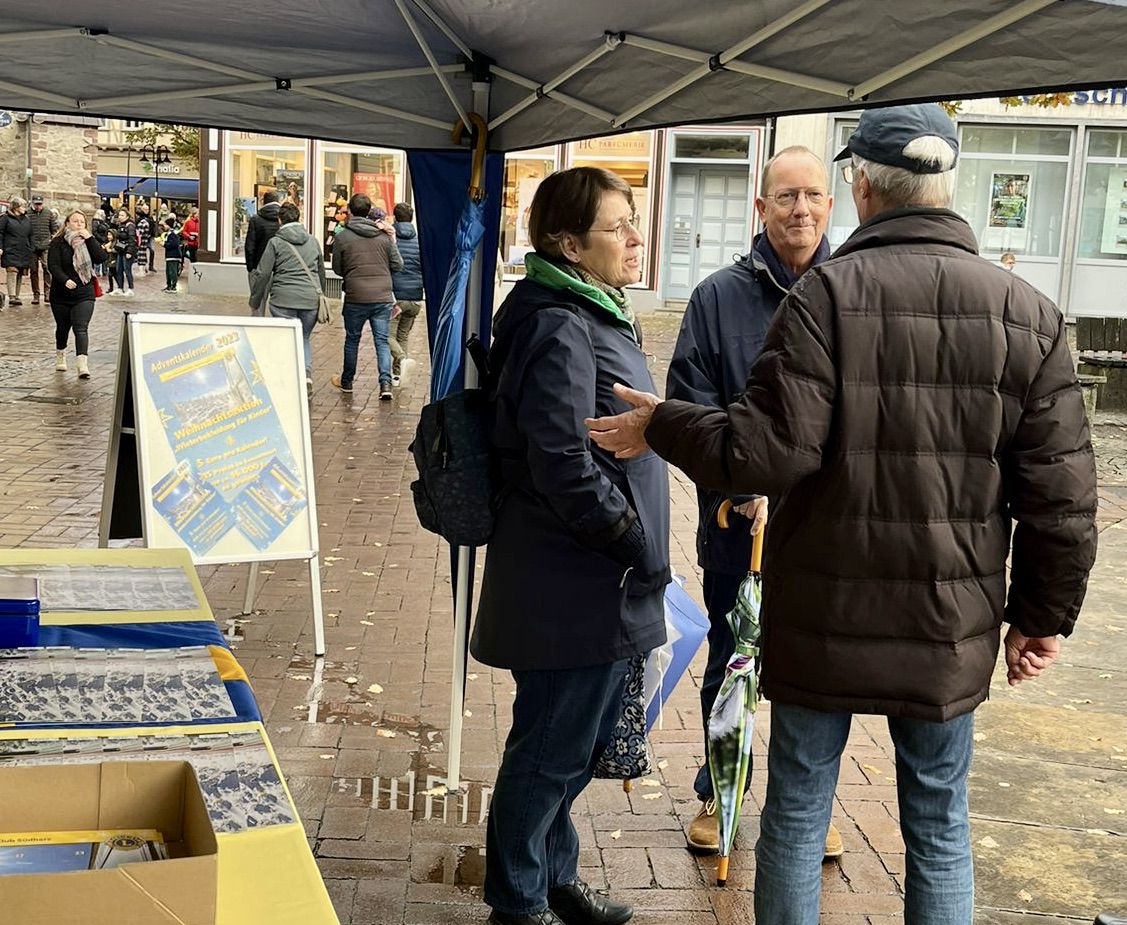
[(349, 648), (871, 769), (301, 677), (387, 734), (1113, 812), (988, 842), (367, 623), (377, 544), (358, 500), (662, 765), (328, 559), (326, 757), (617, 833), (351, 680), (1106, 675), (467, 713), (650, 782), (651, 796), (332, 590), (1025, 896), (979, 736), (472, 676), (369, 574), (1002, 783), (375, 689)]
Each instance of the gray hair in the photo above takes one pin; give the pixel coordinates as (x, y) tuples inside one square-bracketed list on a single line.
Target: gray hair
[(900, 187)]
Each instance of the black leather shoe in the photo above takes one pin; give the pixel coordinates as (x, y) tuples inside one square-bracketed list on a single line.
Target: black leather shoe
[(578, 904), (547, 917)]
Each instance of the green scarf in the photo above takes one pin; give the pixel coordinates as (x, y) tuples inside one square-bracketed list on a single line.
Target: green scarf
[(558, 276)]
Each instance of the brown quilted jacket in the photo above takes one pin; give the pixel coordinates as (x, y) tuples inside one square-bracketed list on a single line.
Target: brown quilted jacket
[(914, 403)]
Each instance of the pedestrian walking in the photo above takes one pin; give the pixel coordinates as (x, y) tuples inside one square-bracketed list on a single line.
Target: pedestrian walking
[(407, 284), (100, 228), (125, 252), (261, 229), (577, 566), (173, 254), (16, 250), (365, 256), (44, 224), (71, 257), (291, 274), (721, 334), (190, 239), (146, 232), (918, 412)]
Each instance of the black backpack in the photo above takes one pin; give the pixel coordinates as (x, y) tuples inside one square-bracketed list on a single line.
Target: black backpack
[(458, 491)]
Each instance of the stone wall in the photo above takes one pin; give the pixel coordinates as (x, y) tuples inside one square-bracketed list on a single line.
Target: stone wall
[(64, 163)]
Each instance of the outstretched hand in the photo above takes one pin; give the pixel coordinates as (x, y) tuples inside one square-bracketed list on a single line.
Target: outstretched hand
[(1028, 656), (625, 434)]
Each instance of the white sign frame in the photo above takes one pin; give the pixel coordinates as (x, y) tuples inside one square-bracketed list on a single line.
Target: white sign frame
[(223, 500)]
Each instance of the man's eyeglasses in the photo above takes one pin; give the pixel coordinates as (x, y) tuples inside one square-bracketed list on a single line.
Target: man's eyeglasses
[(847, 173), (622, 229), (786, 198)]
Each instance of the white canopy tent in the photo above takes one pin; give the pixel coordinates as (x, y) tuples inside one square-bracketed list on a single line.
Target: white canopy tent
[(400, 73)]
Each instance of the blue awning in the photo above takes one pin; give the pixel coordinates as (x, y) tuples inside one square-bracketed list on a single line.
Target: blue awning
[(170, 188)]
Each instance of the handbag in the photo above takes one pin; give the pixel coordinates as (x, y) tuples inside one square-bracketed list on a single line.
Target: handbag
[(325, 308), (97, 287), (627, 755)]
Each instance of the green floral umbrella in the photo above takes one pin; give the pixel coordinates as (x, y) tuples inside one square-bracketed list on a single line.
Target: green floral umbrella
[(732, 721)]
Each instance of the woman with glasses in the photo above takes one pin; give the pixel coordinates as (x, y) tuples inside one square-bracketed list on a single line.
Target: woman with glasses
[(579, 559)]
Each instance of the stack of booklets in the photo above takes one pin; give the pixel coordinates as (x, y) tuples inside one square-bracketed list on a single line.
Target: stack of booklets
[(76, 687), (55, 852)]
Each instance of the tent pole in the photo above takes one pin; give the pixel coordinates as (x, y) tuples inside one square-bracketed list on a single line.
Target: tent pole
[(463, 590), (446, 88)]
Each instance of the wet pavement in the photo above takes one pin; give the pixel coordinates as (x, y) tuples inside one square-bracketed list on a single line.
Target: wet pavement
[(361, 734)]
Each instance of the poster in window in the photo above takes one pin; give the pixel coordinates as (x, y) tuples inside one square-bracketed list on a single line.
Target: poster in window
[(292, 185), (1114, 239), (1009, 200), (379, 187)]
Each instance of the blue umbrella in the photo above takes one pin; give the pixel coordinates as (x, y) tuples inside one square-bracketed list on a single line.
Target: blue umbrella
[(448, 339)]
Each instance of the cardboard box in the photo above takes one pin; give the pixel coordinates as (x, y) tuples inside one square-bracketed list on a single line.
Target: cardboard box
[(162, 795)]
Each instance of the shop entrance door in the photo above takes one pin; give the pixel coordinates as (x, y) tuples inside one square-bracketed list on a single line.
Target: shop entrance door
[(709, 210)]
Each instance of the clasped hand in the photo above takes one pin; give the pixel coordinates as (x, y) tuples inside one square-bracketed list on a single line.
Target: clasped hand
[(625, 434)]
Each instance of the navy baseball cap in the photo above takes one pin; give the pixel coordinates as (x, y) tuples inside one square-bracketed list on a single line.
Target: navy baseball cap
[(882, 135)]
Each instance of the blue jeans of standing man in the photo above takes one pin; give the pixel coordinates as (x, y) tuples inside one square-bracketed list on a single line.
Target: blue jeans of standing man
[(803, 757), (378, 316), (308, 319), (562, 723)]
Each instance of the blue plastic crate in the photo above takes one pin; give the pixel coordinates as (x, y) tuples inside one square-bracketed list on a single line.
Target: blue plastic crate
[(19, 612)]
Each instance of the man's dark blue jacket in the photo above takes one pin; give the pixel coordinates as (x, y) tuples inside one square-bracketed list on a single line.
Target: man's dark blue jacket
[(721, 335)]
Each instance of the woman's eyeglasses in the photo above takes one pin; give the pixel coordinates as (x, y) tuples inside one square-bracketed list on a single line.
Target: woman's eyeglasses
[(622, 229)]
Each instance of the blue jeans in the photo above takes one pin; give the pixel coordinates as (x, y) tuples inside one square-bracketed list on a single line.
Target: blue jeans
[(124, 271), (932, 761), (562, 722), (720, 592), (378, 316), (308, 318)]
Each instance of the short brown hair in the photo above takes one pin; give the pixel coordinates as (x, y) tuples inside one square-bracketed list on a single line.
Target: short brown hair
[(567, 203)]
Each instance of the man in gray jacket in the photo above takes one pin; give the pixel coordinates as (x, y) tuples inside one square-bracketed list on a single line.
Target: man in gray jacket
[(365, 256), (918, 411)]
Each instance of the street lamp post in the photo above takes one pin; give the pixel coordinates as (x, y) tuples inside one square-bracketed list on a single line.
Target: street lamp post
[(158, 156)]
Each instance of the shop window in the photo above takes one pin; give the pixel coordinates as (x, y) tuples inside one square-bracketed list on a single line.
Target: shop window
[(255, 166), (723, 147), (843, 217), (631, 157), (376, 173), (523, 173), (1012, 187), (1103, 210)]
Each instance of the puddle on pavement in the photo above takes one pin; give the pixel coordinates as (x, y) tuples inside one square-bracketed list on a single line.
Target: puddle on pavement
[(421, 791), (462, 867)]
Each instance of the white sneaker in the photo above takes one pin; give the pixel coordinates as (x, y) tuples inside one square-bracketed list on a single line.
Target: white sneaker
[(406, 367), (127, 292), (394, 381)]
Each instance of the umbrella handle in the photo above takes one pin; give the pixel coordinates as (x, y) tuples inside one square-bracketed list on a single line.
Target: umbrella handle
[(725, 509), (481, 135)]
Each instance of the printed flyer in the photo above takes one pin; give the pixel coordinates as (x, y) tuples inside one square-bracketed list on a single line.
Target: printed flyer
[(234, 469)]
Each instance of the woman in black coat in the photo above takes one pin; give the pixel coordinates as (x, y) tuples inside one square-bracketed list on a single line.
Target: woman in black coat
[(15, 246), (70, 259), (577, 565)]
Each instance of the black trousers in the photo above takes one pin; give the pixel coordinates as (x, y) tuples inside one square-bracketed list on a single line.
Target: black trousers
[(74, 317)]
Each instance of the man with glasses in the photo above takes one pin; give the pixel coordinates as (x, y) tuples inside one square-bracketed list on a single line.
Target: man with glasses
[(919, 412), (722, 332)]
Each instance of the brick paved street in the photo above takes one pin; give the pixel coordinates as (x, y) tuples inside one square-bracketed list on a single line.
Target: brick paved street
[(361, 736)]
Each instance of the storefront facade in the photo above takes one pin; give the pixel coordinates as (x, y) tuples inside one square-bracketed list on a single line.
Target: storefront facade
[(1048, 185), (239, 168), (693, 189)]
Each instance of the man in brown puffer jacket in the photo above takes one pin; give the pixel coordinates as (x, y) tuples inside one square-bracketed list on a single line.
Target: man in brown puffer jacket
[(912, 403)]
